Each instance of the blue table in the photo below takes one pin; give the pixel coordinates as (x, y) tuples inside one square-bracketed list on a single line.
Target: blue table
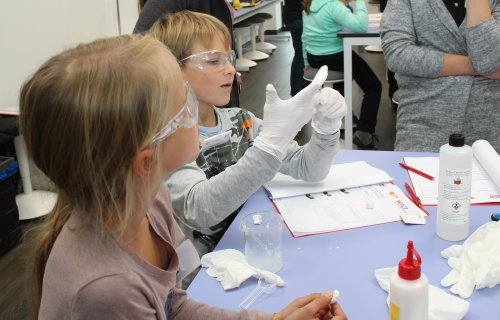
[(345, 260)]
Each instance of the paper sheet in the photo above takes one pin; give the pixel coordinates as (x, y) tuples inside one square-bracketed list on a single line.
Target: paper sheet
[(483, 189), (341, 176), (10, 110), (347, 209), (374, 19)]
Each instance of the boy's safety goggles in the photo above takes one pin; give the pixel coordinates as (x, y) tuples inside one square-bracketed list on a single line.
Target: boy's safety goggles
[(211, 60), (186, 117)]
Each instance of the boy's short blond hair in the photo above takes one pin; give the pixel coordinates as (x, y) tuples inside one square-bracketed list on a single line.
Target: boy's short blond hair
[(178, 31)]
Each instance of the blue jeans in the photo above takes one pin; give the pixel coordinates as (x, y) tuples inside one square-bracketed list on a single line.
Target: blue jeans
[(297, 82)]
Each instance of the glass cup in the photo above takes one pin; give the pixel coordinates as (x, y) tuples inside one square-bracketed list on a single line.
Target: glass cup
[(263, 240)]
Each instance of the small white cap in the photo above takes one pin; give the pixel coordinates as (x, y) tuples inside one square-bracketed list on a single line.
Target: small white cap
[(335, 297), (370, 204), (257, 219)]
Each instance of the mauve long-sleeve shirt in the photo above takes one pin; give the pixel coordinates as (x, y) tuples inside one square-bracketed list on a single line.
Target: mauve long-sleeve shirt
[(86, 279)]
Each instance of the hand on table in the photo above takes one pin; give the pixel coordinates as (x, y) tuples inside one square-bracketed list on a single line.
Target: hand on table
[(313, 306)]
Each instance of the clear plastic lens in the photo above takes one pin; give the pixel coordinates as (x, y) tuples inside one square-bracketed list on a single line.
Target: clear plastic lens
[(186, 117), (214, 60)]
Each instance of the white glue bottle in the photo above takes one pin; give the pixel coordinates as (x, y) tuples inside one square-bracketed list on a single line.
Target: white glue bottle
[(455, 170), (409, 289)]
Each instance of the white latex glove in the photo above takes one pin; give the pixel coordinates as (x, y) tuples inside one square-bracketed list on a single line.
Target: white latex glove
[(230, 268), (284, 118), (476, 263), (329, 111)]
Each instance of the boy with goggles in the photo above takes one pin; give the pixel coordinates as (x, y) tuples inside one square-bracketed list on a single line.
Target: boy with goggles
[(238, 151)]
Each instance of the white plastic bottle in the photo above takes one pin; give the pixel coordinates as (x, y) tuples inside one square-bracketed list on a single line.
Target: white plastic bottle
[(455, 170), (409, 289)]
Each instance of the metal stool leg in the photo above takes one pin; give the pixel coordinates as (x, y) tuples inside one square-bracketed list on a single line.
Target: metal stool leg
[(261, 45), (254, 54), (242, 64)]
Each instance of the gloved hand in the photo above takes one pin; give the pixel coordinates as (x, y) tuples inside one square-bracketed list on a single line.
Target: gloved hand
[(284, 118), (330, 109), (476, 263)]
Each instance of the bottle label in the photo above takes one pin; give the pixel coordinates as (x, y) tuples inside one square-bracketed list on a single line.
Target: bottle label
[(394, 312), (455, 195)]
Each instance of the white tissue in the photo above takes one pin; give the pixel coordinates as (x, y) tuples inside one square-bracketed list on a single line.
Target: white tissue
[(231, 268), (476, 263), (442, 306)]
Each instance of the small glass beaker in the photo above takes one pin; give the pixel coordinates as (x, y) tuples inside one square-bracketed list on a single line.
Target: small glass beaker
[(263, 240)]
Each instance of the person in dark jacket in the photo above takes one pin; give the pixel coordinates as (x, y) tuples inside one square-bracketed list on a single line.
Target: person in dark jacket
[(152, 10), (292, 18)]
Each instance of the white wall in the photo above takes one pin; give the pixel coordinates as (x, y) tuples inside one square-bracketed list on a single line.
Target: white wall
[(31, 31), (128, 15)]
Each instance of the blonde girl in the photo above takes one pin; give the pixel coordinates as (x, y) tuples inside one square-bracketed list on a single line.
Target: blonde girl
[(107, 121)]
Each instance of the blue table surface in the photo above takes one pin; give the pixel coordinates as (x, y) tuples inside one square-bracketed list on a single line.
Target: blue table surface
[(345, 260)]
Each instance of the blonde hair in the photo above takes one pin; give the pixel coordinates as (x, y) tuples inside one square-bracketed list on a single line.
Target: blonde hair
[(85, 115), (178, 31)]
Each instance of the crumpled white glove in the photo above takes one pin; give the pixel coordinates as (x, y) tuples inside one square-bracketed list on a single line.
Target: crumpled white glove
[(284, 118), (231, 268), (476, 263), (329, 111)]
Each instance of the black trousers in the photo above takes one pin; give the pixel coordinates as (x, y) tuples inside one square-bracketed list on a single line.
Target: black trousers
[(364, 77)]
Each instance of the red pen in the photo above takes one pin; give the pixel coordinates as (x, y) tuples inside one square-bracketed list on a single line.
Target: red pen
[(413, 195), (423, 174)]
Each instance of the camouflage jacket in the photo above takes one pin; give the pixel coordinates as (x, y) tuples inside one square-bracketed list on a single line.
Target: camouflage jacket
[(244, 127)]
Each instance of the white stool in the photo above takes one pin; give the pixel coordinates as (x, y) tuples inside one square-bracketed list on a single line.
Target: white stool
[(261, 45), (31, 203), (374, 49), (333, 77), (242, 64), (255, 54)]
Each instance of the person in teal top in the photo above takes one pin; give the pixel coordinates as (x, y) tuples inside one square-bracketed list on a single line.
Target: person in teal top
[(322, 20)]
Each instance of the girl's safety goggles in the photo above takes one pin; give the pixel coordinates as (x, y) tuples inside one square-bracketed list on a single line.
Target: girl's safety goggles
[(186, 117), (211, 60)]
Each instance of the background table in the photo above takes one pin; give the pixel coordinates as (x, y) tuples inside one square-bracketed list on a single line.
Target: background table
[(345, 260), (246, 12), (350, 39)]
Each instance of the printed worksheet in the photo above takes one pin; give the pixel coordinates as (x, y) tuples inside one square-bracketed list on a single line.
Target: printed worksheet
[(348, 208), (483, 190)]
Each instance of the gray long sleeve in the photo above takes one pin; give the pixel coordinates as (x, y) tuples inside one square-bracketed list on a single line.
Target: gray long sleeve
[(206, 202), (402, 51), (483, 43)]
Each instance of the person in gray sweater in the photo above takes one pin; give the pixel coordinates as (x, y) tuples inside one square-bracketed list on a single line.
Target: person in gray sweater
[(238, 151), (108, 249), (448, 70)]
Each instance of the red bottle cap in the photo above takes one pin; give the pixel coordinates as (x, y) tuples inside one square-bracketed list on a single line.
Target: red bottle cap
[(409, 268)]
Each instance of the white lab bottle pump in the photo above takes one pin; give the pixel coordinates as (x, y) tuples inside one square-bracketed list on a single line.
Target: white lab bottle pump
[(455, 169), (409, 289)]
